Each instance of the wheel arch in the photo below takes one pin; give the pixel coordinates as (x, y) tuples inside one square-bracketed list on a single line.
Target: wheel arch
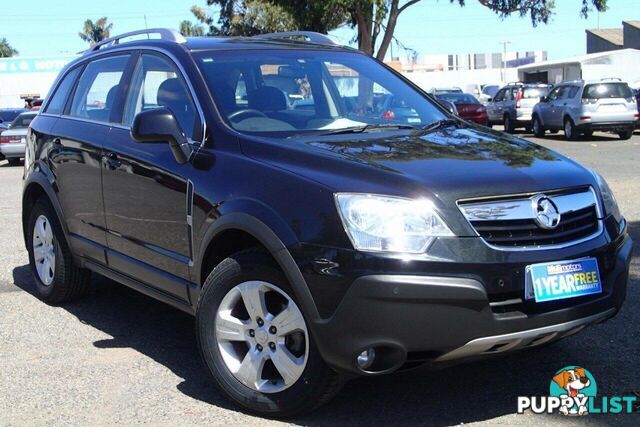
[(237, 231), (35, 187)]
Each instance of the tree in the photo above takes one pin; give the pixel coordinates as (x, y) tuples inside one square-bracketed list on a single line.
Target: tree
[(375, 21), (188, 28), (95, 32), (6, 50)]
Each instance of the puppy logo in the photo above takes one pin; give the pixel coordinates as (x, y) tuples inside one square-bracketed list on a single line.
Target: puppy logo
[(574, 385)]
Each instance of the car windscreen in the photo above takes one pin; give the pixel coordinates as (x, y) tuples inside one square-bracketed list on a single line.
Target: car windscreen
[(534, 92), (279, 93), (606, 90), (22, 121), (458, 98)]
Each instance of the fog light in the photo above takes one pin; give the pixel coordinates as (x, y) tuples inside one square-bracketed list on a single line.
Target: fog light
[(366, 358)]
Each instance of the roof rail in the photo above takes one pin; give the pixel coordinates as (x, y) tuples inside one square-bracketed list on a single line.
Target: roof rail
[(611, 78), (165, 34), (306, 36)]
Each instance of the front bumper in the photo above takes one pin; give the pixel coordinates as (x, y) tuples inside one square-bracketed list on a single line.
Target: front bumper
[(414, 320)]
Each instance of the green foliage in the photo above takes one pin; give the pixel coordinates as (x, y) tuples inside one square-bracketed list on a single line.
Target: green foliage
[(189, 29), (538, 10), (95, 32), (6, 50)]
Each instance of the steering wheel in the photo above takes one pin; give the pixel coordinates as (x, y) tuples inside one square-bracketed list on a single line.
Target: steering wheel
[(246, 112)]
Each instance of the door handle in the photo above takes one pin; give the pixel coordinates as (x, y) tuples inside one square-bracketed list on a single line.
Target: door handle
[(111, 161)]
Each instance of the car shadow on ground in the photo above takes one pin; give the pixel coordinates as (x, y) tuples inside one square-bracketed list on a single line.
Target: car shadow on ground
[(477, 391)]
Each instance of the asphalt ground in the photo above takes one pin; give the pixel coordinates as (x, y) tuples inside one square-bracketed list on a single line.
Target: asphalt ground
[(118, 357)]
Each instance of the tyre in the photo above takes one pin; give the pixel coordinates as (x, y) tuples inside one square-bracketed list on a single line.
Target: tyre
[(56, 276), (14, 161), (570, 130), (627, 134), (256, 342), (538, 130), (508, 124)]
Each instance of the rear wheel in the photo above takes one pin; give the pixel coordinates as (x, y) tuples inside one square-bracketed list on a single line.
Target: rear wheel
[(538, 130), (627, 134), (570, 130), (57, 278), (255, 340), (508, 124)]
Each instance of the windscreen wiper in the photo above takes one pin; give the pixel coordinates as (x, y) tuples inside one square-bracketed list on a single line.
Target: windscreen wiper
[(366, 128), (439, 124)]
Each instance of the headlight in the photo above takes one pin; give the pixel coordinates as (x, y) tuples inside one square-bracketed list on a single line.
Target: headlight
[(608, 199), (390, 224)]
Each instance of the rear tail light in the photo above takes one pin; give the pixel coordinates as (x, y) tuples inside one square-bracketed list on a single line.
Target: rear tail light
[(637, 116), (518, 98), (9, 139), (389, 115), (585, 118)]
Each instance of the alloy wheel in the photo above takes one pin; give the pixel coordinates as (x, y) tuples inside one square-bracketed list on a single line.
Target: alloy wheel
[(44, 254), (262, 336), (568, 129)]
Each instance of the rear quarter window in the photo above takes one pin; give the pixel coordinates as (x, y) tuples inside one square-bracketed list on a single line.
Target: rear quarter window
[(61, 94)]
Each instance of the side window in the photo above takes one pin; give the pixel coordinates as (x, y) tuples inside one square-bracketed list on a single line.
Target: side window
[(157, 83), (59, 98), (554, 94), (499, 96), (573, 91), (98, 87)]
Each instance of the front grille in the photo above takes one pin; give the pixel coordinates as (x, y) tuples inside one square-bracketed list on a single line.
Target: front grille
[(525, 232)]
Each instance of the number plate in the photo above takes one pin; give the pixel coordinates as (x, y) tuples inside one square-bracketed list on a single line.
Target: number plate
[(560, 280)]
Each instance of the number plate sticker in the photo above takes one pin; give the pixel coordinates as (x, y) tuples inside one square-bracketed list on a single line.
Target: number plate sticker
[(560, 280)]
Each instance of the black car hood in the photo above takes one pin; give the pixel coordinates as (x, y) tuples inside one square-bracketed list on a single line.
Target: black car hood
[(449, 163)]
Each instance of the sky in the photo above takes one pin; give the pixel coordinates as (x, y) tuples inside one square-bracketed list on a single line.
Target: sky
[(49, 27)]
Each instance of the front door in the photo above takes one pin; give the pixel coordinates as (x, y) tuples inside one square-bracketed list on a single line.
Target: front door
[(145, 189)]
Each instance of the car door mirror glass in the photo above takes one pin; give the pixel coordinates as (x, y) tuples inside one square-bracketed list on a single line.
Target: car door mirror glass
[(160, 125)]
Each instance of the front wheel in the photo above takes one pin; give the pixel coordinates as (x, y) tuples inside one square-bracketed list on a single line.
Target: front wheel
[(508, 124), (627, 134), (570, 130), (255, 340), (538, 130)]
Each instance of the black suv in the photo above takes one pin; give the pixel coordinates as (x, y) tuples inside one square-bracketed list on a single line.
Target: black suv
[(265, 186)]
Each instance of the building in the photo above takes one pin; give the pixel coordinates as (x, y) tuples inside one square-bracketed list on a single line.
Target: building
[(28, 77), (623, 64), (608, 39), (471, 61)]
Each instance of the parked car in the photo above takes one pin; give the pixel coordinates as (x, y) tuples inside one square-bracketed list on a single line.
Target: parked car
[(7, 115), (513, 104), (467, 106), (582, 107), (13, 139), (311, 244), (488, 92), (637, 96)]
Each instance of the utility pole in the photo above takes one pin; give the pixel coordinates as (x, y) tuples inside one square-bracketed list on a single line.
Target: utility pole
[(504, 44)]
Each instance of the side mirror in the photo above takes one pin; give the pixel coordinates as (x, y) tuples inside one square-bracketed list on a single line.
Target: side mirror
[(490, 100), (160, 125), (544, 99)]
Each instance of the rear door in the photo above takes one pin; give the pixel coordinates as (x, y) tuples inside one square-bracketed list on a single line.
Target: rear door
[(145, 190), (76, 151), (550, 112)]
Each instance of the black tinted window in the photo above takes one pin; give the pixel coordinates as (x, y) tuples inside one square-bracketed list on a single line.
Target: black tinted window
[(98, 87), (607, 90), (458, 98), (157, 83), (59, 98)]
